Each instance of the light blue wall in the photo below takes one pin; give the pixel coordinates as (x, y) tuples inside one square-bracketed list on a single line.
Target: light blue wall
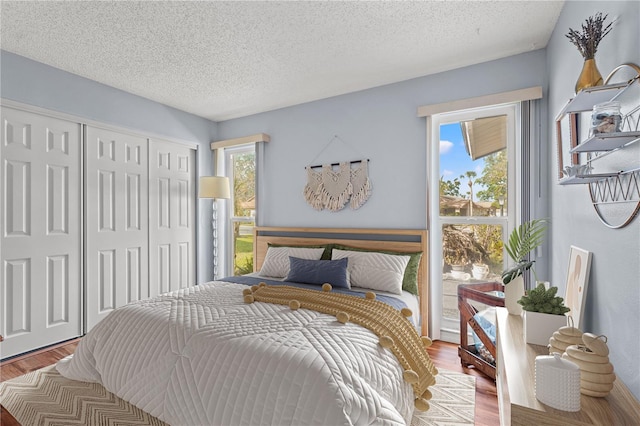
[(613, 294), (37, 84), (380, 124)]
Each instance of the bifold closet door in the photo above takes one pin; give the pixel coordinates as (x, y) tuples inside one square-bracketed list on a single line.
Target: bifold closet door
[(40, 242), (171, 216), (116, 194)]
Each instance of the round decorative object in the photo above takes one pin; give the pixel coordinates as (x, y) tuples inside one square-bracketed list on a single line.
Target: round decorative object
[(410, 376), (563, 338), (590, 366), (582, 353), (386, 342), (421, 404), (426, 341), (570, 331), (248, 298), (596, 344), (596, 372), (599, 378), (406, 312), (326, 287), (370, 295), (342, 317), (294, 305)]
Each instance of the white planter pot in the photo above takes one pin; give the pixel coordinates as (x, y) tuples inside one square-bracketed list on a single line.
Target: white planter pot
[(539, 327), (512, 293)]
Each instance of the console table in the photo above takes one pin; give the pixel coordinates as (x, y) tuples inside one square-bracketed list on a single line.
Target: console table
[(515, 380)]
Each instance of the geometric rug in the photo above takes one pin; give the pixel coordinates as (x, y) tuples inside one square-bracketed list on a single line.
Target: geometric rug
[(44, 397), (453, 401)]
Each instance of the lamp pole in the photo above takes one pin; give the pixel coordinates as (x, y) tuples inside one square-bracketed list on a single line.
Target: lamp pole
[(215, 187)]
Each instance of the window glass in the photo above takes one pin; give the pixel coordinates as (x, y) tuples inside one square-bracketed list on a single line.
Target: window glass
[(242, 167), (471, 187)]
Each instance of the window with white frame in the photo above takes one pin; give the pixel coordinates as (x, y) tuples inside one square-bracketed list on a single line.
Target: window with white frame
[(240, 166)]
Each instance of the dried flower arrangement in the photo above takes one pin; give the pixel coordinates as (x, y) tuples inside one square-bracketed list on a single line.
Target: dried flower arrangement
[(593, 31)]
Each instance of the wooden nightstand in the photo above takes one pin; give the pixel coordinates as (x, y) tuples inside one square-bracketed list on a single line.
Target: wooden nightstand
[(515, 380)]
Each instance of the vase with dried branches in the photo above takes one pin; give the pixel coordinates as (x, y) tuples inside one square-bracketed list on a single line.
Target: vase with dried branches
[(587, 40)]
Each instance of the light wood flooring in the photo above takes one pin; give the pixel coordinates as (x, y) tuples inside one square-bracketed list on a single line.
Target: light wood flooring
[(444, 355)]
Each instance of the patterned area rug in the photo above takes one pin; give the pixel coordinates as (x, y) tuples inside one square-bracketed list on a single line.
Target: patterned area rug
[(44, 397)]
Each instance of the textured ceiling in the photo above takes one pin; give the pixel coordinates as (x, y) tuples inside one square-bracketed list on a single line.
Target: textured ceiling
[(222, 60)]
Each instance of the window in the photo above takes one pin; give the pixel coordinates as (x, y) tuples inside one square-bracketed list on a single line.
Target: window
[(472, 161), (241, 168)]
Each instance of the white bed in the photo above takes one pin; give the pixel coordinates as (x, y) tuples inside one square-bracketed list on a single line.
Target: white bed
[(203, 356)]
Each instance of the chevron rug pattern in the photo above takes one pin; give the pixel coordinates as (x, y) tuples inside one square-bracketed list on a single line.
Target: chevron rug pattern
[(46, 398)]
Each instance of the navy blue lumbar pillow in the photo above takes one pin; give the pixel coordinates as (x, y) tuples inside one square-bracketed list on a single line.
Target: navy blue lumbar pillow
[(319, 272)]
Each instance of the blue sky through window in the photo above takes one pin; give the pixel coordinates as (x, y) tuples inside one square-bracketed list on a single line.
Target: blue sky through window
[(454, 160)]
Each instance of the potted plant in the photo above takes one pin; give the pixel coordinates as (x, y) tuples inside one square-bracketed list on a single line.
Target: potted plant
[(522, 241), (544, 313)]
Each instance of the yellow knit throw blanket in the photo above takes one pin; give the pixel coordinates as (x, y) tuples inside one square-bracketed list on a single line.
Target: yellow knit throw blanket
[(392, 327)]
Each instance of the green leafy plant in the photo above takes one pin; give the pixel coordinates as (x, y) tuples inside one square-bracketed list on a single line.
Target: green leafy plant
[(522, 241), (542, 300)]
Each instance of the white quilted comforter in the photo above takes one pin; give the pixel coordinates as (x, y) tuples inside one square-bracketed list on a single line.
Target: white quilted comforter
[(201, 356)]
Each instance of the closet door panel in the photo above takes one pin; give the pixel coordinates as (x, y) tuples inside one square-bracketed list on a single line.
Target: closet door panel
[(117, 224), (40, 247), (171, 216)]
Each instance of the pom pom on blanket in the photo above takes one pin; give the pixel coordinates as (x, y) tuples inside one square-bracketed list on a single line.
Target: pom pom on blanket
[(421, 404), (386, 342), (294, 305), (410, 376), (342, 317)]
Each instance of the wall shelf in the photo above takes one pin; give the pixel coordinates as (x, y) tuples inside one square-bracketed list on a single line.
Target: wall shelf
[(587, 98), (582, 179), (607, 142), (608, 190)]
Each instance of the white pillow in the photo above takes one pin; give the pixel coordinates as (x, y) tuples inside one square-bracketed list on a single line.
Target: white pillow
[(276, 262), (373, 270)]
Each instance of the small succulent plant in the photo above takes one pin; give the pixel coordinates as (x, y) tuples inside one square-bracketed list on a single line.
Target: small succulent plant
[(542, 300)]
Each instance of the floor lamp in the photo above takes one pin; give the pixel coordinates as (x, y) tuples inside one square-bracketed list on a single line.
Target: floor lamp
[(216, 187)]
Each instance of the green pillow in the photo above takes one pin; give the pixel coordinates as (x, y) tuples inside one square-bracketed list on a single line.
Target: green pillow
[(410, 279), (326, 255)]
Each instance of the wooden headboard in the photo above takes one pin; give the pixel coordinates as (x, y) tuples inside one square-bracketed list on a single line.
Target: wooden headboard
[(401, 240)]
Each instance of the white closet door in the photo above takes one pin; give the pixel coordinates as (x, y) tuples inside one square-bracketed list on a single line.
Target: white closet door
[(116, 221), (40, 249), (171, 216)]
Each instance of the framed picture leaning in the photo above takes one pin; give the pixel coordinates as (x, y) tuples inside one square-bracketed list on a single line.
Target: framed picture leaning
[(577, 281)]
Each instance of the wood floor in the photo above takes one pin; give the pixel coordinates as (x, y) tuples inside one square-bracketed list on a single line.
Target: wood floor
[(444, 355)]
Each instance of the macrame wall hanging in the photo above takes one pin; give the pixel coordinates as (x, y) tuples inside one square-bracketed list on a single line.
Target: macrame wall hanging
[(332, 189)]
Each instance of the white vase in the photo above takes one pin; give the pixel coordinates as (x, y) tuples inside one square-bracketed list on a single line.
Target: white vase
[(513, 291)]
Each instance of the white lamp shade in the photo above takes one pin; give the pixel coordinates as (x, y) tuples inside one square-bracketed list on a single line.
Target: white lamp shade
[(214, 187)]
